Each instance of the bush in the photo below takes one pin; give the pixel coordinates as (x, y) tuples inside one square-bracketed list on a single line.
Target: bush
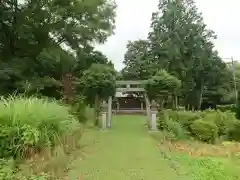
[(6, 169), (170, 125), (223, 120), (234, 131), (237, 109), (185, 118), (29, 124), (204, 130), (79, 108), (228, 107)]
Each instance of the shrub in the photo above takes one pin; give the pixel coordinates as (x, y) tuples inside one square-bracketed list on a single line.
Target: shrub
[(234, 131), (29, 124), (204, 130), (185, 118), (223, 120), (228, 107), (174, 127), (237, 109), (78, 109), (6, 169)]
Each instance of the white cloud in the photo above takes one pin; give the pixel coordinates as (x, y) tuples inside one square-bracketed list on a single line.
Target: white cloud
[(134, 18)]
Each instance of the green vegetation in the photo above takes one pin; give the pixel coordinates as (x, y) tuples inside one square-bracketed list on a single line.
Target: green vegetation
[(207, 126), (228, 107), (94, 83), (31, 125), (180, 43), (162, 85), (47, 53), (128, 152), (38, 50)]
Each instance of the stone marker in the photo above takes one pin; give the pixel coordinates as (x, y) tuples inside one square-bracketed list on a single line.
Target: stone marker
[(153, 123), (148, 110), (103, 118), (109, 120)]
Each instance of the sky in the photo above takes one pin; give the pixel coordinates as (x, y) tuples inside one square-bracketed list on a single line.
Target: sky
[(134, 18)]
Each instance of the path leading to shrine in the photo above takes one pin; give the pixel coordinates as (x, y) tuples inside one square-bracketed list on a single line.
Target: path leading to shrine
[(126, 151)]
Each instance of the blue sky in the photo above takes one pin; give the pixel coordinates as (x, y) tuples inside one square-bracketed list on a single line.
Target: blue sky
[(134, 17)]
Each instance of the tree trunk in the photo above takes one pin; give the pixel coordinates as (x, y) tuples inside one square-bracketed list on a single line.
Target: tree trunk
[(176, 102), (200, 94), (97, 110)]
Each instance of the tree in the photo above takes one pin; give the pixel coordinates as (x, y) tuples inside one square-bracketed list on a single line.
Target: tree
[(137, 61), (42, 41), (180, 43), (161, 85), (87, 59), (97, 84), (181, 40)]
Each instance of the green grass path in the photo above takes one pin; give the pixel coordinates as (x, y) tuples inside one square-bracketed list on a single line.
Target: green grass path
[(125, 152)]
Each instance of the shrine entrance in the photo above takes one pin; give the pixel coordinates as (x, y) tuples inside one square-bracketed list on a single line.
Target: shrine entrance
[(130, 97), (125, 103)]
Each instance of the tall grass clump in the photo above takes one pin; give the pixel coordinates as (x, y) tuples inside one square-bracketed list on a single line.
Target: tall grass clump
[(28, 125)]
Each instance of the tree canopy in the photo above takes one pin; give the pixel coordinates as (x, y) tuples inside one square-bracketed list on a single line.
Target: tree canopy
[(162, 84), (98, 81), (41, 41), (97, 84), (180, 43)]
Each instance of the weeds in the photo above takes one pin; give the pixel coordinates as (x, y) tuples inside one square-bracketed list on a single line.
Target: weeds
[(38, 133)]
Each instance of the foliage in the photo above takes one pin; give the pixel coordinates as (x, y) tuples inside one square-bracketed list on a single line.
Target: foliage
[(30, 124), (172, 126), (238, 107), (8, 172), (225, 122), (204, 130), (6, 169), (99, 80), (234, 133), (162, 83), (180, 43), (228, 107), (97, 84), (41, 41), (78, 109), (137, 61), (185, 118)]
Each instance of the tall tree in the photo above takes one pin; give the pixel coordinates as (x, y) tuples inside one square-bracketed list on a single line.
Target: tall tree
[(180, 43), (32, 33), (137, 60), (97, 84)]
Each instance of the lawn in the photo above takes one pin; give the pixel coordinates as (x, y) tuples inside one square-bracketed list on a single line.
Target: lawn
[(128, 151)]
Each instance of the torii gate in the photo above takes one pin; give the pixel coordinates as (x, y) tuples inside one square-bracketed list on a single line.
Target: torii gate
[(126, 86)]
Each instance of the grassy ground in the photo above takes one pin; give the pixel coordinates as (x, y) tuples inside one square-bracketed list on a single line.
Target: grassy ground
[(129, 152)]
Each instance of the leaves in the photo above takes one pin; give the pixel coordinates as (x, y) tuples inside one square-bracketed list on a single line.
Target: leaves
[(41, 41), (99, 80), (180, 43), (162, 83)]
